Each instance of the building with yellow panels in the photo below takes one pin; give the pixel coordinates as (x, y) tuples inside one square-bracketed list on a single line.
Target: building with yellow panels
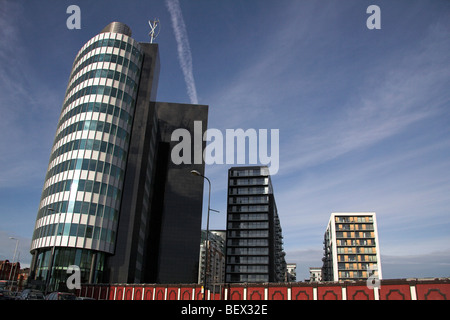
[(351, 247)]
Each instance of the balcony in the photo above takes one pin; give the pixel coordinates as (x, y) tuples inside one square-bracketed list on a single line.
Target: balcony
[(249, 182)]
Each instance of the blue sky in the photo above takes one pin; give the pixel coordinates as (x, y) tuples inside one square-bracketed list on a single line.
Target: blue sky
[(363, 115)]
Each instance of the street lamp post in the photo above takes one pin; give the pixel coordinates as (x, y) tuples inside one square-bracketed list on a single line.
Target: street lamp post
[(14, 258), (195, 172)]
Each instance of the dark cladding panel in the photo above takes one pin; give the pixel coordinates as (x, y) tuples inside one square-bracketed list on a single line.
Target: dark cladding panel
[(183, 197), (121, 267), (171, 211)]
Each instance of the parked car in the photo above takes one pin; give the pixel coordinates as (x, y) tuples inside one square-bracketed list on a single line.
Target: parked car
[(61, 296), (9, 295), (30, 294), (4, 295), (85, 298)]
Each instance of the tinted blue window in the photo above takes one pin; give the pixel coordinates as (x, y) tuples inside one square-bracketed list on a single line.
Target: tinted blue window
[(73, 229)]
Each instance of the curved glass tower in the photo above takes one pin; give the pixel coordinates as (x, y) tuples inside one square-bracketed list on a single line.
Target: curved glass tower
[(78, 212)]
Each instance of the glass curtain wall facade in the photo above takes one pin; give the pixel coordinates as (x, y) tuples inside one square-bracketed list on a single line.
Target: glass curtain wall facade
[(351, 248), (78, 211), (254, 247)]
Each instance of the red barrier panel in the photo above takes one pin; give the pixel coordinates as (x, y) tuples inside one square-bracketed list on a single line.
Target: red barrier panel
[(329, 293), (216, 296), (395, 292), (198, 293), (360, 293), (95, 292), (302, 293), (433, 291), (138, 293), (186, 293), (236, 293), (128, 293), (89, 292), (172, 293), (160, 293), (278, 293), (148, 293), (112, 293), (255, 293), (402, 289), (120, 292)]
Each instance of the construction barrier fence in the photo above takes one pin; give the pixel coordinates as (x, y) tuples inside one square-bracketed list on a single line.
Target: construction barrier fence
[(400, 289)]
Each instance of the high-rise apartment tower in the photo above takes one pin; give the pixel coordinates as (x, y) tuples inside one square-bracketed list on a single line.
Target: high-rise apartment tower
[(254, 245), (351, 247)]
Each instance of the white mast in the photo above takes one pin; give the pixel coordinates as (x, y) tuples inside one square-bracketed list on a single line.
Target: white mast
[(154, 29)]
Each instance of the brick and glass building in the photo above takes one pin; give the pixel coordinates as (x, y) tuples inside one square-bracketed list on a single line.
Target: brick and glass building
[(9, 270), (351, 247), (254, 246), (215, 272), (113, 202)]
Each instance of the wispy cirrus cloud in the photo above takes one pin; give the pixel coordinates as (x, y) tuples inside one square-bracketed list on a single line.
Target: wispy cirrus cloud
[(183, 47), (397, 91), (24, 104)]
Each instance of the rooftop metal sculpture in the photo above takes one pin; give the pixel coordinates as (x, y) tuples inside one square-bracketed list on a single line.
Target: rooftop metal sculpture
[(155, 28)]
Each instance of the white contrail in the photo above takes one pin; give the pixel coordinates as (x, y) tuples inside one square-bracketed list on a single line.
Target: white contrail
[(184, 50)]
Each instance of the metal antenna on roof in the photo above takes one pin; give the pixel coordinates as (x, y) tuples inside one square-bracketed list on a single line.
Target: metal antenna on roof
[(154, 29)]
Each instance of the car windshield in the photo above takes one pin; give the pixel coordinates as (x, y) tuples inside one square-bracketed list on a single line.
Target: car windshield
[(67, 297)]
